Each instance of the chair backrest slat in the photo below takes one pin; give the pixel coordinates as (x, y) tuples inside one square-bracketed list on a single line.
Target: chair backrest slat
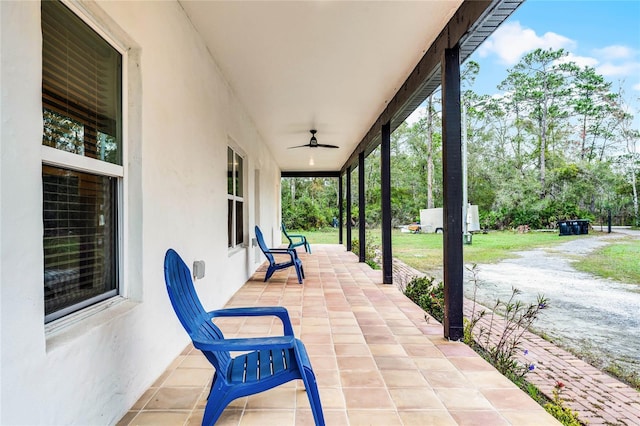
[(263, 246), (189, 310), (284, 230)]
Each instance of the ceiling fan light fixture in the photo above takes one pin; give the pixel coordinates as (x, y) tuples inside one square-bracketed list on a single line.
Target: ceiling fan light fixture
[(313, 142)]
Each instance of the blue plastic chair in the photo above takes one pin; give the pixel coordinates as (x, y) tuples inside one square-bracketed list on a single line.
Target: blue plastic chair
[(302, 240), (269, 253), (272, 361)]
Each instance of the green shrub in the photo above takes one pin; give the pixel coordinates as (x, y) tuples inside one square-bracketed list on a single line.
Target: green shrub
[(369, 252), (557, 409), (428, 294)]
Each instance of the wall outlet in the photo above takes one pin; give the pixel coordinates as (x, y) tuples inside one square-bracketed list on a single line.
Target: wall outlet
[(198, 269)]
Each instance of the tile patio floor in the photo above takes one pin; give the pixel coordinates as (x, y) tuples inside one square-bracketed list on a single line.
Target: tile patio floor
[(376, 359)]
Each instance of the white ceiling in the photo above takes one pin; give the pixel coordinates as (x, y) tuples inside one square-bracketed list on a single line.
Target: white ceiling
[(326, 65)]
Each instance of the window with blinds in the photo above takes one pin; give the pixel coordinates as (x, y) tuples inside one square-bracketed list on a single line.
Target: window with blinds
[(81, 87), (79, 214), (82, 115)]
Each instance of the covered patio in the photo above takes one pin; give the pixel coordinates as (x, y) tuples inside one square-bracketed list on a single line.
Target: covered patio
[(379, 359)]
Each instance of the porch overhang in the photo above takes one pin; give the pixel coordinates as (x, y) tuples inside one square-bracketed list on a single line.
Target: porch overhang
[(343, 68)]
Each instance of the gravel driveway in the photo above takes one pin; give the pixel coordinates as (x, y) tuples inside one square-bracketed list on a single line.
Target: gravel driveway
[(590, 314)]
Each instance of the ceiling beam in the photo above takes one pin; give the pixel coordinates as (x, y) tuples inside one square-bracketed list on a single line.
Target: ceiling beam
[(310, 173)]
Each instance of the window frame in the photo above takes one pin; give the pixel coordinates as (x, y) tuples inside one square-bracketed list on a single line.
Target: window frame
[(233, 199), (66, 160)]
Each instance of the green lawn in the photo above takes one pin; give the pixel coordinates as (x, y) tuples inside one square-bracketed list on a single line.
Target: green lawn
[(424, 251), (321, 236), (618, 261)]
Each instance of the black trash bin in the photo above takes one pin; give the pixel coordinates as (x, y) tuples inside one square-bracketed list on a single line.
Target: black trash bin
[(584, 226), (573, 227)]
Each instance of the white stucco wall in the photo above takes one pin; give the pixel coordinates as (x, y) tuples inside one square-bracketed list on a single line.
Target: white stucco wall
[(181, 115)]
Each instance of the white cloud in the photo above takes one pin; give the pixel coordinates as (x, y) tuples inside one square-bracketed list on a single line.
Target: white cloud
[(582, 61), (626, 69), (636, 87), (615, 52), (511, 41), (416, 115), (617, 61)]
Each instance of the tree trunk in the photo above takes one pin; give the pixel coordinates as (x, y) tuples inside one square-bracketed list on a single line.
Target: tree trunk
[(543, 147), (634, 186), (584, 137), (430, 153)]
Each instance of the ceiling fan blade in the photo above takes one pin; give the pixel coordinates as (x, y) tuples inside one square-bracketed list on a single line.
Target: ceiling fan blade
[(313, 143)]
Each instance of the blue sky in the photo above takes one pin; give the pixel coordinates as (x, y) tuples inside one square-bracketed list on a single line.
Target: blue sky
[(604, 34)]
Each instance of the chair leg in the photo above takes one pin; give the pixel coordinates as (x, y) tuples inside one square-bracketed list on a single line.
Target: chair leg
[(309, 380), (307, 247), (270, 271), (311, 386), (299, 272), (216, 403)]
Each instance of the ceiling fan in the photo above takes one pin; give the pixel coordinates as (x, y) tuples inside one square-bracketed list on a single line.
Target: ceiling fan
[(313, 143)]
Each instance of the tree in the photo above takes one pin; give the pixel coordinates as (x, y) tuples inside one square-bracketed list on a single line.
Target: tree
[(423, 142), (430, 115), (538, 83), (309, 202), (408, 193), (595, 106), (487, 152), (631, 159)]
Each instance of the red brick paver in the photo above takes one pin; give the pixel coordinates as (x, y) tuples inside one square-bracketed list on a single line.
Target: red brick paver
[(598, 398)]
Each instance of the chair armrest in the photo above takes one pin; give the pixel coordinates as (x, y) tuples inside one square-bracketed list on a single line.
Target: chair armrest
[(290, 251), (246, 344), (301, 353), (302, 237), (280, 250), (260, 311)]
